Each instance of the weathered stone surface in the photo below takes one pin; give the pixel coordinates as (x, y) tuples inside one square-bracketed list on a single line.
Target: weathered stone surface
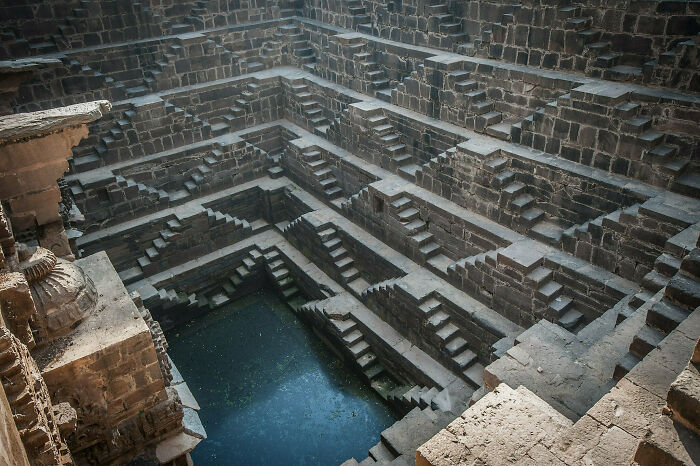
[(38, 124), (503, 426), (524, 210)]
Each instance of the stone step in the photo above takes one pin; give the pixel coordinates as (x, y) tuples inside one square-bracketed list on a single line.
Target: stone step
[(430, 306), (456, 345), (350, 274), (522, 202), (380, 453), (429, 250), (474, 374), (549, 291), (626, 364), (571, 319), (646, 339), (665, 316), (465, 359), (359, 349), (561, 305), (408, 214), (353, 337), (438, 319), (447, 331), (344, 264)]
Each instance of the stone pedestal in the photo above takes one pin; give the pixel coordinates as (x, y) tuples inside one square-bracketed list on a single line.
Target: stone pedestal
[(108, 369)]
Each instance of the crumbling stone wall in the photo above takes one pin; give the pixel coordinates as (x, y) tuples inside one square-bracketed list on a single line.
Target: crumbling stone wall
[(31, 404)]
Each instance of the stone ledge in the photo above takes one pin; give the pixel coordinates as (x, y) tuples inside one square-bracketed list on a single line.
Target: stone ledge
[(36, 124)]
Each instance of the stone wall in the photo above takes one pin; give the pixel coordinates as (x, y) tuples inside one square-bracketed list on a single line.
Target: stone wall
[(303, 160), (649, 42), (526, 283), (380, 213), (306, 234), (138, 189), (484, 97), (43, 27), (645, 136), (31, 406), (523, 193), (13, 450)]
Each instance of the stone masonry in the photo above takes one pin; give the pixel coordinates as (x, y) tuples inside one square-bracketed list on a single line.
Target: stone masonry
[(489, 209)]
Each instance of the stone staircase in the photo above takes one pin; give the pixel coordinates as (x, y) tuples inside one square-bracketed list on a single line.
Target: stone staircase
[(105, 151), (488, 120), (454, 400), (298, 46), (283, 280), (310, 108), (560, 306), (374, 77), (384, 134), (661, 154), (514, 196), (620, 66), (493, 32), (445, 25), (348, 332), (250, 61), (428, 250), (612, 221), (358, 14), (95, 78), (373, 74), (81, 20), (400, 441), (272, 52), (322, 175), (200, 175), (680, 299), (341, 260), (235, 117), (303, 53), (196, 16), (462, 359), (166, 244)]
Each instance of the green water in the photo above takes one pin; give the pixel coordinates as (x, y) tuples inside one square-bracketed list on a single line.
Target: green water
[(271, 393)]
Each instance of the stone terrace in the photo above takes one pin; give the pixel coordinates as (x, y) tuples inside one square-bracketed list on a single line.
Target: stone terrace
[(478, 199)]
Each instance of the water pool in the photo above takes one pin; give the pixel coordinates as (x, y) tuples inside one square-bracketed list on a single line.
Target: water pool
[(270, 392)]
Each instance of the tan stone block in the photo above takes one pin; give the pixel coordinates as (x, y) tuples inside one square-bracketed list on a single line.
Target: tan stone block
[(628, 406), (667, 442), (148, 356), (574, 443), (153, 372), (539, 454), (616, 447), (43, 150), (120, 386), (499, 428), (653, 375), (691, 325), (444, 449)]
